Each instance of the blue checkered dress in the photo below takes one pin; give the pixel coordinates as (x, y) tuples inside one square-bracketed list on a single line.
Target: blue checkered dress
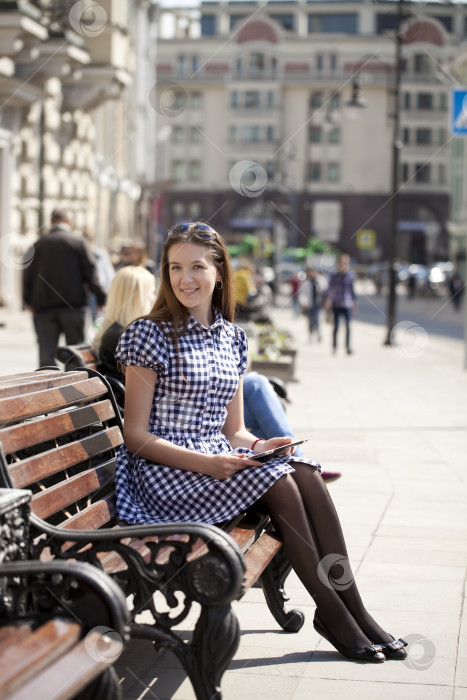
[(189, 409)]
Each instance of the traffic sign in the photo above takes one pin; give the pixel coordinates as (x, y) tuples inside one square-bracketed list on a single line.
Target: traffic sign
[(459, 112)]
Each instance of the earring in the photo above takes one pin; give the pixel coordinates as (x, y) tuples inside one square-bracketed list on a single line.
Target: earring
[(219, 284)]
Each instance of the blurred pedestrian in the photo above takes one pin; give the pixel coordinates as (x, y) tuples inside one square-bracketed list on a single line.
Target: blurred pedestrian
[(56, 284), (456, 290), (311, 300), (134, 252), (341, 299)]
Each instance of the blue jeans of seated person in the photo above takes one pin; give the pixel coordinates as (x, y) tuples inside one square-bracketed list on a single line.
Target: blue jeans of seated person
[(264, 413)]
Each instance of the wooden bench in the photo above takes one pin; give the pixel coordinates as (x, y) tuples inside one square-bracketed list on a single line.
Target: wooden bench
[(60, 434), (62, 624)]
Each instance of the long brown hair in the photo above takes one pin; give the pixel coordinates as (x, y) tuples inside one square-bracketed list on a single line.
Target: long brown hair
[(167, 308)]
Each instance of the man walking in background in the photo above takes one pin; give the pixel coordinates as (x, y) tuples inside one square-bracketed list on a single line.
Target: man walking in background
[(56, 284), (341, 298)]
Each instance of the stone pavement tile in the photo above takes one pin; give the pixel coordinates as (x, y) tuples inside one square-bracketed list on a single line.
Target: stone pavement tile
[(328, 663), (417, 551), (462, 651), (461, 674), (460, 694), (326, 689), (401, 588), (268, 660), (257, 686)]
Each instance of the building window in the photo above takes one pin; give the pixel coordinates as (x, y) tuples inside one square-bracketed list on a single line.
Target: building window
[(271, 99), (424, 100), (271, 169), (208, 25), (252, 98), (319, 61), (315, 134), (405, 172), (316, 100), (286, 21), (406, 100), (194, 170), (195, 134), (196, 100), (194, 64), (333, 61), (335, 101), (314, 172), (234, 99), (178, 170), (180, 64), (406, 136), (194, 210), (443, 102), (178, 134), (422, 172), (442, 174), (442, 136), (178, 209), (421, 63), (251, 134), (334, 135), (270, 134), (333, 172), (338, 23), (423, 137)]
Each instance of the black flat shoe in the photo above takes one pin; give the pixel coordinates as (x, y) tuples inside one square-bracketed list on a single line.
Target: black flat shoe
[(395, 649), (371, 653)]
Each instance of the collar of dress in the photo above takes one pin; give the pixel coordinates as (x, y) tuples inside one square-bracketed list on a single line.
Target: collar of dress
[(218, 320)]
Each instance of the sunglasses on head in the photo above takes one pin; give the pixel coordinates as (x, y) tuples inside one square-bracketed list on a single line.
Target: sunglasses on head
[(203, 230)]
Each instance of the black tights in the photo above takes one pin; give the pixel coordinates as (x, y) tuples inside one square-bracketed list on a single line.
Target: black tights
[(303, 513)]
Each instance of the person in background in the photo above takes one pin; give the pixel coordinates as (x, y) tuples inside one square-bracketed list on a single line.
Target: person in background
[(311, 300), (340, 297), (132, 293), (265, 415), (245, 289), (187, 456), (134, 252), (56, 284)]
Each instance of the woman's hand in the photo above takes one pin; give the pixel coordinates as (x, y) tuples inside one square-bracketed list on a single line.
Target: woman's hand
[(226, 464)]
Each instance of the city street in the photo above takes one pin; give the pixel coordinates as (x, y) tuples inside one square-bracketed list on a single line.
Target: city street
[(393, 420)]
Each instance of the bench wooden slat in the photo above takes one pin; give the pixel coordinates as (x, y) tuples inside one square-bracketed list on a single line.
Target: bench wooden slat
[(33, 404), (35, 651), (53, 461), (22, 377), (94, 516), (12, 634), (19, 437), (58, 497), (39, 383), (74, 670), (259, 555)]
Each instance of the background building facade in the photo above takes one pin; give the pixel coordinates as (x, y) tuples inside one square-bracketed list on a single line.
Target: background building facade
[(74, 125), (253, 99)]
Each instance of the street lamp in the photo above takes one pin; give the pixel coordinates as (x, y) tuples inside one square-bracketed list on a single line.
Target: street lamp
[(396, 147)]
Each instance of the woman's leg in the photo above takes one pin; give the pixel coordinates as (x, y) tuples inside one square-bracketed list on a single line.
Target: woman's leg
[(289, 515), (334, 566)]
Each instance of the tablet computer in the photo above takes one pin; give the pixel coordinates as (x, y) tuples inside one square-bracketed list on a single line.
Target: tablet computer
[(263, 456)]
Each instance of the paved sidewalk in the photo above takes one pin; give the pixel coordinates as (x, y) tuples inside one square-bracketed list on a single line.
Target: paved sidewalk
[(394, 421)]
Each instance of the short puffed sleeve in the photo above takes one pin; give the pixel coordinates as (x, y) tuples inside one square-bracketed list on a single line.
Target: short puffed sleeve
[(143, 344), (241, 343)]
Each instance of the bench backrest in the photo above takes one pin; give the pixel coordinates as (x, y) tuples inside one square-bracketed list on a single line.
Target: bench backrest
[(59, 434), (75, 356)]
